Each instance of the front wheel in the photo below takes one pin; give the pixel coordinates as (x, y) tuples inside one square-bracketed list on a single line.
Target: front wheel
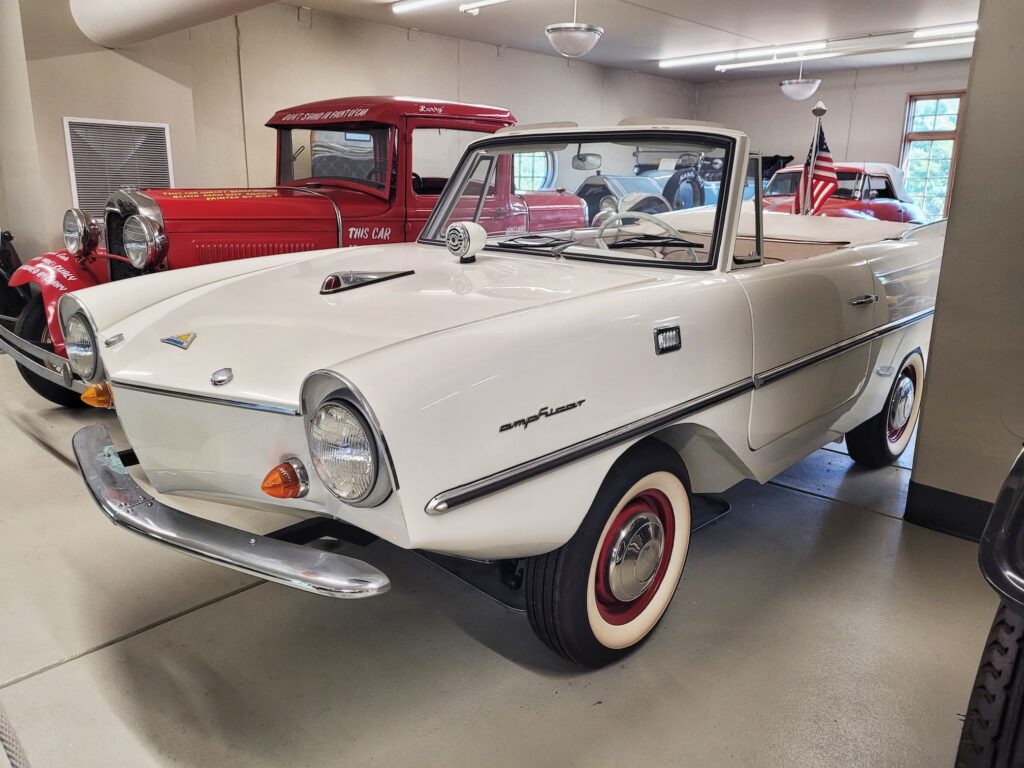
[(31, 326), (993, 733), (883, 438), (599, 595)]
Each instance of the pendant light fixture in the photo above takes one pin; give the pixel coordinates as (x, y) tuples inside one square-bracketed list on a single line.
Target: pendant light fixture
[(800, 89), (573, 39)]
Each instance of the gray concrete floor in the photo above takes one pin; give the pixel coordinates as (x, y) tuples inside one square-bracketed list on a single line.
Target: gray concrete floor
[(812, 628)]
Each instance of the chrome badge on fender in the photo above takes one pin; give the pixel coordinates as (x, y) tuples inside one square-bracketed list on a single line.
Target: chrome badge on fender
[(182, 340)]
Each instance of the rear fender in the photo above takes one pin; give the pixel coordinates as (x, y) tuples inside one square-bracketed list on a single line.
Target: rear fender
[(55, 273)]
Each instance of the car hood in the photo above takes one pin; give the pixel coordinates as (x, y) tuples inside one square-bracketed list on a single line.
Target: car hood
[(273, 327)]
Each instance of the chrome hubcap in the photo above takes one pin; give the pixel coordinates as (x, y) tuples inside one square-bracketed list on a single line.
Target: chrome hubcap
[(636, 556), (902, 405)]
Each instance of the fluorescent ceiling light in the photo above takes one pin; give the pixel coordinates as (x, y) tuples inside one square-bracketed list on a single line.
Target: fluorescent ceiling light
[(474, 8), (770, 62), (755, 53), (953, 29), (935, 43), (686, 61), (404, 6)]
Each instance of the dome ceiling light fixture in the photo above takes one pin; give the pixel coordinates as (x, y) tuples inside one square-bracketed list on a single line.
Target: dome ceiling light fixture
[(801, 88), (573, 39)]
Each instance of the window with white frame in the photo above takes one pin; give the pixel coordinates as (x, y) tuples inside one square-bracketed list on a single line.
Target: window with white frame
[(533, 171), (929, 149), (106, 155)]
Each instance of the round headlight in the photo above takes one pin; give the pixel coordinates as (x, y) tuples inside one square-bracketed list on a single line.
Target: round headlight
[(81, 346), (343, 451), (78, 232), (143, 241)]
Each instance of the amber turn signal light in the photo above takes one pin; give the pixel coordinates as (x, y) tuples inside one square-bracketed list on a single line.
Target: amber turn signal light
[(99, 395), (288, 480)]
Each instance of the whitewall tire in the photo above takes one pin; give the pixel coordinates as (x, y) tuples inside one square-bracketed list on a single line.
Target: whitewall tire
[(598, 596), (883, 438)]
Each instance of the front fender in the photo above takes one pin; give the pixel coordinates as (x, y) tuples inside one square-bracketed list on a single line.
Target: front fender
[(1001, 554), (55, 273)]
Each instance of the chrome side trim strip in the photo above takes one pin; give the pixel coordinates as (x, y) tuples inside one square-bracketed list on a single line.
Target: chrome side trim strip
[(773, 374), (251, 405), (463, 494), (35, 358), (127, 505)]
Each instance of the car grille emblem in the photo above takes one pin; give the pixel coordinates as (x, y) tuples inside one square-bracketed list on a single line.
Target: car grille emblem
[(221, 377), (182, 340)]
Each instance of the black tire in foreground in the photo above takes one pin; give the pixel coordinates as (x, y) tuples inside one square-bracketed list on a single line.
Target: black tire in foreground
[(597, 597), (883, 438), (993, 733), (31, 326)]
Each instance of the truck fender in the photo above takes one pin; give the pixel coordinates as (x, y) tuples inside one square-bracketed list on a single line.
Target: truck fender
[(55, 273)]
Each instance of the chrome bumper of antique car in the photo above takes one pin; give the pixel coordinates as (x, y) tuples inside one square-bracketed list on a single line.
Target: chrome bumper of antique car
[(128, 505), (40, 361)]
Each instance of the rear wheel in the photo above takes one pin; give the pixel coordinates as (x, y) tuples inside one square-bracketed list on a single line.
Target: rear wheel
[(993, 733), (883, 438), (32, 326), (599, 596)]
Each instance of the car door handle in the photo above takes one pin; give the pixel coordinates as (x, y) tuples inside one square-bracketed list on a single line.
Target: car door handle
[(867, 298), (501, 212)]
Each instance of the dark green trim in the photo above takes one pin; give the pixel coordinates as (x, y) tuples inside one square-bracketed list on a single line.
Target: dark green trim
[(945, 511)]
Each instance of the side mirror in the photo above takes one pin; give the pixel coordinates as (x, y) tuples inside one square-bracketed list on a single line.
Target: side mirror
[(586, 161)]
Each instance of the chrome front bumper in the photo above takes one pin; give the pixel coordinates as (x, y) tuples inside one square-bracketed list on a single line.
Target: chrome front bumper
[(127, 505), (40, 361)]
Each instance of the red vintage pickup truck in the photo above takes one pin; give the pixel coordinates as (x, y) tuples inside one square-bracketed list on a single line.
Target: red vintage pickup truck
[(350, 171)]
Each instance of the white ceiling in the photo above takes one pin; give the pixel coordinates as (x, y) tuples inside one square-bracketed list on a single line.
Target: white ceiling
[(640, 32)]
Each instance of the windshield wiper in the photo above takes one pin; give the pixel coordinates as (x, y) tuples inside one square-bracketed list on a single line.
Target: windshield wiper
[(653, 241), (533, 241)]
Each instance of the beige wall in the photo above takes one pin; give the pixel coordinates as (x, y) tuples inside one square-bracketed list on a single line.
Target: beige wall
[(867, 109), (972, 423), (286, 60), (148, 83)]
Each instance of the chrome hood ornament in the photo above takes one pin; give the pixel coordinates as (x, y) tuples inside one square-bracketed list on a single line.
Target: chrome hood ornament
[(221, 377), (337, 282), (181, 341)]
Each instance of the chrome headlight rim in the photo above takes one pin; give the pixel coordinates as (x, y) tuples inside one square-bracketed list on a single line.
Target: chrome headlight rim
[(86, 229), (144, 252), (371, 496), (88, 374)]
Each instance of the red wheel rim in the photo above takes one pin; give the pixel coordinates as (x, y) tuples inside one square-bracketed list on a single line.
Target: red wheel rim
[(612, 609), (900, 408)]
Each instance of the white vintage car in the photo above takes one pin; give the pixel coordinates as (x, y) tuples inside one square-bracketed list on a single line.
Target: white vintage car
[(545, 401)]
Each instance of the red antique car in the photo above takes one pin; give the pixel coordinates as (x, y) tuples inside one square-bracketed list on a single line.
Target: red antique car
[(350, 171), (866, 190)]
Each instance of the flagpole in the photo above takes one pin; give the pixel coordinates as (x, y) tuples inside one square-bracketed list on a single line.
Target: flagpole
[(819, 112)]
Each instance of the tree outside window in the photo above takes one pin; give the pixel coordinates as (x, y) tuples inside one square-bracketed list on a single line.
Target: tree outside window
[(929, 149), (533, 171)]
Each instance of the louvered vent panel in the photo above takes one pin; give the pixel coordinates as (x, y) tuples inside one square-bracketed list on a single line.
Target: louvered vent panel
[(108, 156), (211, 253)]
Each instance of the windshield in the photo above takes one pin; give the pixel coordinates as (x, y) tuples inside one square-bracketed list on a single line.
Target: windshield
[(356, 153), (785, 183), (591, 200)]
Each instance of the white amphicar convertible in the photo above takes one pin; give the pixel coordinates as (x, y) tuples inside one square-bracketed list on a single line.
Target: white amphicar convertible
[(545, 401)]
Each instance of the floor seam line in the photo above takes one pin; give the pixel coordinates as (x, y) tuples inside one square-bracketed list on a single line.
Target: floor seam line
[(829, 498), (128, 635)]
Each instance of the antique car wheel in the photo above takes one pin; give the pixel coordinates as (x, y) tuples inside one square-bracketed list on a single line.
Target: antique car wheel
[(31, 326), (882, 439), (993, 732), (598, 596)]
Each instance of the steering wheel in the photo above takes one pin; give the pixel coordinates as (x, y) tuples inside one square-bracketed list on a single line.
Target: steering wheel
[(376, 174), (622, 215)]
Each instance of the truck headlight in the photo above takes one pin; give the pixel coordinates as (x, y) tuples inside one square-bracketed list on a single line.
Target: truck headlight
[(343, 450), (80, 344), (143, 241), (81, 233)]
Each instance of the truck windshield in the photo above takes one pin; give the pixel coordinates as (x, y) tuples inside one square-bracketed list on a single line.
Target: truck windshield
[(587, 198), (356, 153)]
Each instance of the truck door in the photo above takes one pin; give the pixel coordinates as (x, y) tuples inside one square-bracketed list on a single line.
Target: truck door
[(432, 147)]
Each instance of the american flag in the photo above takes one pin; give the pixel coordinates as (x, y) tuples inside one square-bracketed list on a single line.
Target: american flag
[(823, 181)]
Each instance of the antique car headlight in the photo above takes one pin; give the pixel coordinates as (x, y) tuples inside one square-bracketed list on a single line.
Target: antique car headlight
[(343, 450), (81, 233), (143, 241), (80, 344)]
